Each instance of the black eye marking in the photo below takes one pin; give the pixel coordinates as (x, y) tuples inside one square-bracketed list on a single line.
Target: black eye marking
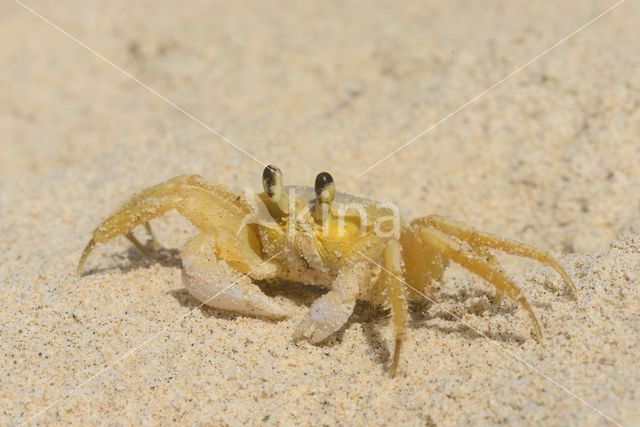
[(269, 178), (322, 181)]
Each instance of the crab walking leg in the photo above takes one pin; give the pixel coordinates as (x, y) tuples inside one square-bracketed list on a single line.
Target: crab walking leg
[(472, 262), (152, 236), (477, 238), (138, 210), (206, 205), (153, 242), (331, 311), (484, 253), (207, 279), (395, 293), (139, 246)]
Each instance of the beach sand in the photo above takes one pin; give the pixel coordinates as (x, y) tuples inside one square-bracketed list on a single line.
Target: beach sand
[(550, 156)]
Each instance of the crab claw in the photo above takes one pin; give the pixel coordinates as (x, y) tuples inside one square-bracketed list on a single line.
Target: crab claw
[(215, 283), (326, 315)]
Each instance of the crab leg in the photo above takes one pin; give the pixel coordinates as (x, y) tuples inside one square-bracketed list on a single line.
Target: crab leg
[(153, 241), (138, 210), (485, 254), (208, 206), (472, 262), (477, 238), (152, 236), (139, 246), (395, 293)]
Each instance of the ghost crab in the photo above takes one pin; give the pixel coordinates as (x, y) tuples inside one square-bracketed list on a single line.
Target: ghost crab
[(358, 248)]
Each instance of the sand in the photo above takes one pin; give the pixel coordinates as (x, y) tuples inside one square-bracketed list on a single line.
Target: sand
[(549, 157)]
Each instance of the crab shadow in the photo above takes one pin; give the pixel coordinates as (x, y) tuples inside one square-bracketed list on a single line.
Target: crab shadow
[(435, 315), (372, 318), (134, 260), (368, 316)]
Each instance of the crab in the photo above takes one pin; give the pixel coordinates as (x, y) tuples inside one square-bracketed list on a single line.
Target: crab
[(359, 249)]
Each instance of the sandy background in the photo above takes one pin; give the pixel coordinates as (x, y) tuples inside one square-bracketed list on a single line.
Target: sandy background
[(550, 157)]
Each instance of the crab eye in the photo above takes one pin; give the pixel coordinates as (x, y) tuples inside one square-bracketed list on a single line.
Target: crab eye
[(325, 188), (272, 182)]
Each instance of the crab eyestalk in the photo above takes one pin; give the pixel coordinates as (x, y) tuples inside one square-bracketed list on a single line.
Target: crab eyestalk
[(325, 192), (274, 188)]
